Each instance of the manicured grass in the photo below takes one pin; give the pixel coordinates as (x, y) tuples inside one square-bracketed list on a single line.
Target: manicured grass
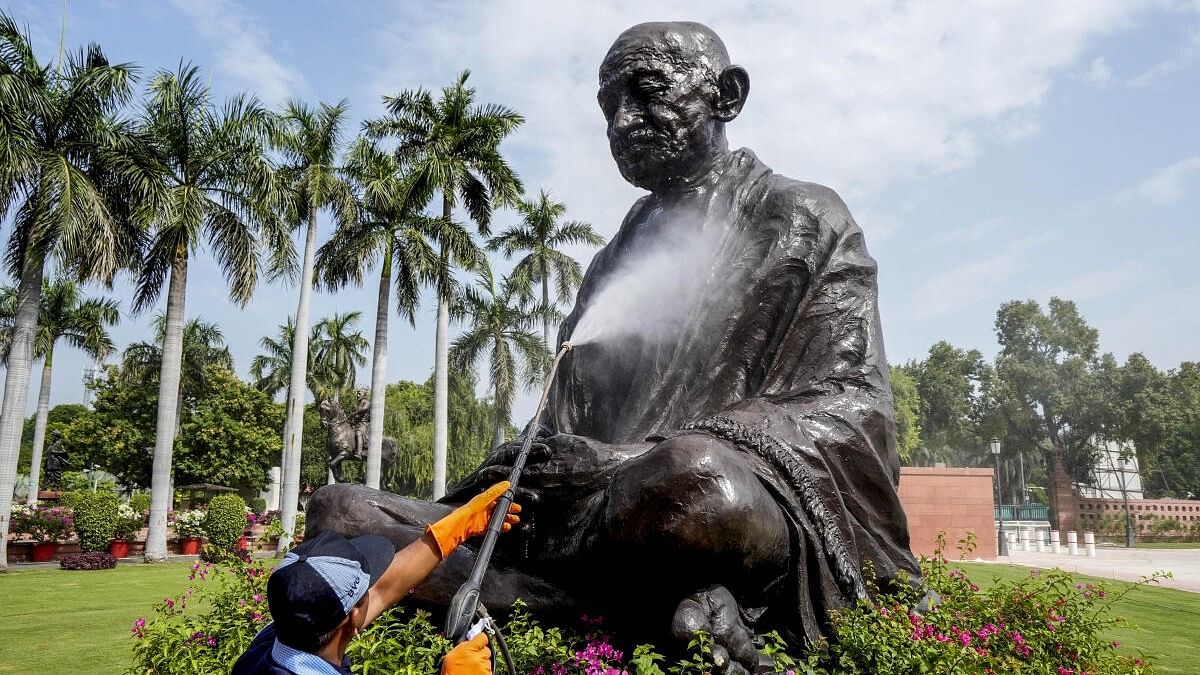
[(1162, 622), (1170, 544), (54, 621)]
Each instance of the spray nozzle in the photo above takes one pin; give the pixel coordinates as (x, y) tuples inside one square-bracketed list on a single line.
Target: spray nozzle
[(567, 346)]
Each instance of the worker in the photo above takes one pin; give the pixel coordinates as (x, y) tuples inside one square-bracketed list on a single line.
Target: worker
[(329, 589)]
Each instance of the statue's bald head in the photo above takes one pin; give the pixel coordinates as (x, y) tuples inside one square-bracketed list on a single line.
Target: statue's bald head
[(686, 45), (667, 89)]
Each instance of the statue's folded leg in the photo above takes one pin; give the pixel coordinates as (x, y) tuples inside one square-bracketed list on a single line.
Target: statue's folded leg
[(352, 510)]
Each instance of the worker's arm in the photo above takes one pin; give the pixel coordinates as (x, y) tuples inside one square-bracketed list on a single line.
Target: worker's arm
[(414, 562)]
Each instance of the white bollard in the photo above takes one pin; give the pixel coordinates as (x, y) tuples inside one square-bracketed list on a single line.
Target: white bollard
[(273, 490), (1041, 542), (1055, 546), (1072, 543), (1026, 540), (1089, 544)]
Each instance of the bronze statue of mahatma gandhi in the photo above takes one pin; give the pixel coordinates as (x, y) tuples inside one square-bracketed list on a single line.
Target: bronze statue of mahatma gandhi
[(737, 475)]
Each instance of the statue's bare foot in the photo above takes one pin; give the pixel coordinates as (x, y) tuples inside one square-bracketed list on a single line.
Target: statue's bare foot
[(714, 611)]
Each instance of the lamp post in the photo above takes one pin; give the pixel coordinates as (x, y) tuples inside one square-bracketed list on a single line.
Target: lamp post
[(1129, 531), (1001, 539)]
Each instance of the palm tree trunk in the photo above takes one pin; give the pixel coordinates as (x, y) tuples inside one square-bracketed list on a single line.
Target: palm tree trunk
[(290, 496), (161, 496), (16, 387), (498, 423), (546, 308), (378, 375), (39, 429), (441, 379)]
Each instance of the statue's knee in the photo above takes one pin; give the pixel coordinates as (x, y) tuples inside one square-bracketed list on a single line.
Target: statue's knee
[(684, 486)]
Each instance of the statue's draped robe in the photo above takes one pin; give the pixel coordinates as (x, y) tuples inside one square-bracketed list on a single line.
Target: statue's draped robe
[(776, 349)]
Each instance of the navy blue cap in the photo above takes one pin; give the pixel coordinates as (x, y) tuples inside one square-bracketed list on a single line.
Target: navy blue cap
[(317, 584)]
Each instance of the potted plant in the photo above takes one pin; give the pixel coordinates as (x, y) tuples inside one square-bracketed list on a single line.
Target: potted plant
[(189, 527), (128, 523), (46, 527)]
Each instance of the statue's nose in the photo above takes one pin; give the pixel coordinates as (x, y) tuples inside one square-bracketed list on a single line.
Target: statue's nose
[(626, 115)]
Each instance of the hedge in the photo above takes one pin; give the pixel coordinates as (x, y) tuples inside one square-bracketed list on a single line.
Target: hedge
[(225, 521), (95, 516)]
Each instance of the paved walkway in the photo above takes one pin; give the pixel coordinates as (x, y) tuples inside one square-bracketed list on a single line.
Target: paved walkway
[(1122, 563)]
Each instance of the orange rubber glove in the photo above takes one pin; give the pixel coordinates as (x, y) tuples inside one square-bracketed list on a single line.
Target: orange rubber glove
[(471, 519), (469, 658)]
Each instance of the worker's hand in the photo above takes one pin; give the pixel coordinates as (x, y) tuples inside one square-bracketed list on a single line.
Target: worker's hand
[(471, 519), (469, 658)]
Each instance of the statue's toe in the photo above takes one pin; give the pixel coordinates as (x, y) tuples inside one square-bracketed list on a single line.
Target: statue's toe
[(715, 611)]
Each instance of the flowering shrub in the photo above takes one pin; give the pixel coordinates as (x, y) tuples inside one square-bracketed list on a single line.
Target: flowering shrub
[(43, 524), (90, 560), (189, 523), (1045, 624), (186, 636), (128, 522), (140, 502)]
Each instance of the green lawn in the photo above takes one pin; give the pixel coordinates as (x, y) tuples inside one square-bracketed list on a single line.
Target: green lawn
[(53, 621), (1169, 544), (1163, 622)]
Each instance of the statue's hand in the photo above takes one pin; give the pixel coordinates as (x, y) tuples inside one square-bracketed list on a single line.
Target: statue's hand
[(558, 461)]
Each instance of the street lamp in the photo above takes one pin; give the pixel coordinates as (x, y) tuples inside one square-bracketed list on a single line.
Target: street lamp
[(1129, 532), (1001, 539)]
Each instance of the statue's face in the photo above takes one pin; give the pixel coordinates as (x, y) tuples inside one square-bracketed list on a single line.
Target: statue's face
[(660, 117)]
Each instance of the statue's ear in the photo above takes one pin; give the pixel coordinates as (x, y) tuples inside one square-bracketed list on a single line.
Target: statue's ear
[(734, 86)]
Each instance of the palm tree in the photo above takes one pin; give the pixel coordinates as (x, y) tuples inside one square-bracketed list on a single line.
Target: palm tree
[(64, 315), (541, 235), (220, 188), (272, 370), (338, 352), (310, 141), (71, 171), (203, 344), (500, 329), (394, 231), (451, 146)]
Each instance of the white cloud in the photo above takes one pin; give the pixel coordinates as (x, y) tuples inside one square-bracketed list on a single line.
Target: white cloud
[(1099, 72), (1185, 57), (960, 286), (244, 49), (854, 95), (1098, 283), (1166, 185)]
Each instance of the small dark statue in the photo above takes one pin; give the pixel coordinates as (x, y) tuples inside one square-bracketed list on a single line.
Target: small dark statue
[(738, 475), (56, 462), (346, 436)]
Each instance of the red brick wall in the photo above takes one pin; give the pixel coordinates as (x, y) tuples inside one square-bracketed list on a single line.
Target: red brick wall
[(950, 499)]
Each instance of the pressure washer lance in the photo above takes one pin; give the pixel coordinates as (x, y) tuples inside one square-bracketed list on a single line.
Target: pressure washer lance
[(465, 605)]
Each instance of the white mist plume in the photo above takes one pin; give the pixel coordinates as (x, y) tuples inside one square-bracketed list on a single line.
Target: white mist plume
[(651, 292)]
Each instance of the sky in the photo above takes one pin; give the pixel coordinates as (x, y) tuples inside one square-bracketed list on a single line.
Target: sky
[(990, 150)]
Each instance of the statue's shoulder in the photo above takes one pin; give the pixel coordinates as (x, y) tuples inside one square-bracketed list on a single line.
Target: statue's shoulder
[(802, 201)]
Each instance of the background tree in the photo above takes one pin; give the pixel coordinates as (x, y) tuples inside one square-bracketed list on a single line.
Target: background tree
[(65, 314), (541, 237), (220, 188), (499, 330), (70, 171), (948, 383), (203, 344), (908, 412), (231, 437), (450, 146), (57, 419), (338, 351), (310, 142), (1048, 384), (409, 419), (392, 232), (229, 434)]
